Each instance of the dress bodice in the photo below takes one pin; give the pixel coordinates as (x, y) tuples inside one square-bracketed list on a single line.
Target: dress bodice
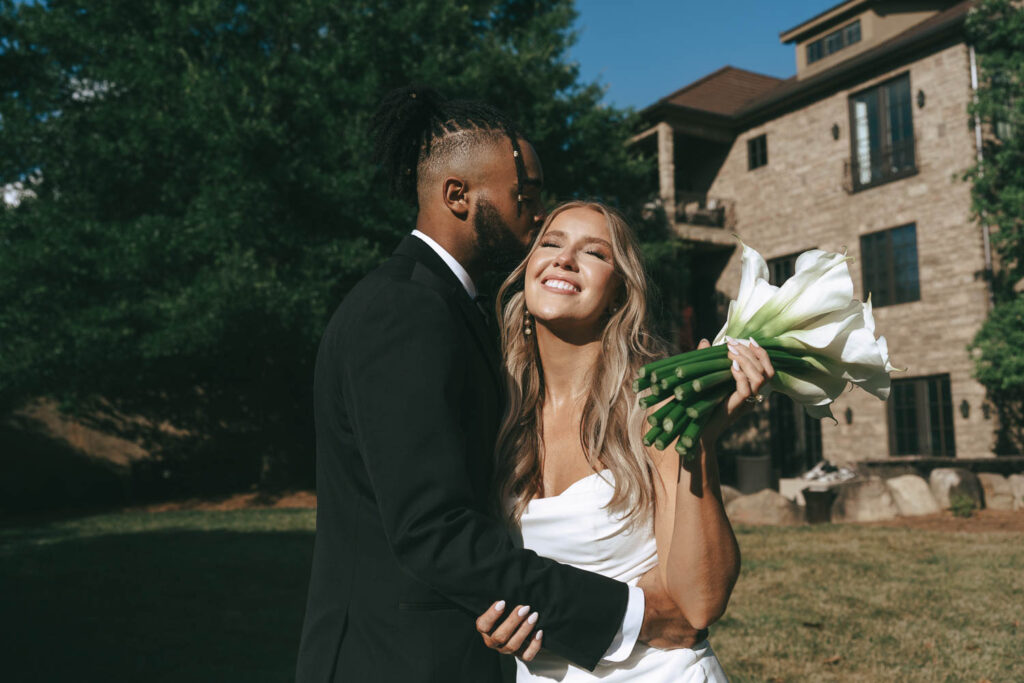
[(576, 528)]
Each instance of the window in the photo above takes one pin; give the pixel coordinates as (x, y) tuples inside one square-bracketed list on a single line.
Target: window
[(833, 42), (1003, 116), (781, 269), (889, 262), (921, 417), (794, 436), (757, 152), (882, 123)]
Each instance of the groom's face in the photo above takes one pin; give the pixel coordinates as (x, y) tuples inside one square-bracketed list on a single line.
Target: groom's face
[(509, 213)]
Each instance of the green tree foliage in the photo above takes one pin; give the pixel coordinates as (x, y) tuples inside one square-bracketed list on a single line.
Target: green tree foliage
[(996, 29), (204, 195)]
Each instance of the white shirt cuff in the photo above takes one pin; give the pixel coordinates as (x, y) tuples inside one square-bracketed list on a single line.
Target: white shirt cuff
[(625, 639)]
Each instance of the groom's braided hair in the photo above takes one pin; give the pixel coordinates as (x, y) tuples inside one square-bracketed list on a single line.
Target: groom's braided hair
[(416, 128)]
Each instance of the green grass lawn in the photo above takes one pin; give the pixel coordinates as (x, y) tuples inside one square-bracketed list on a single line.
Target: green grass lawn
[(219, 596)]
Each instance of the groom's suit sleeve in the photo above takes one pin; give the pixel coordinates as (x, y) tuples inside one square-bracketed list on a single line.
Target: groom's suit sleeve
[(404, 373)]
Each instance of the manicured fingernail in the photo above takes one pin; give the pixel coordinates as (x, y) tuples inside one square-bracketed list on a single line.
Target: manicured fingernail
[(499, 606), (735, 365), (523, 611), (532, 619), (754, 343), (539, 634)]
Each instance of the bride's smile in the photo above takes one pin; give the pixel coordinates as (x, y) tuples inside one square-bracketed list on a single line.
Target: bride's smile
[(571, 277)]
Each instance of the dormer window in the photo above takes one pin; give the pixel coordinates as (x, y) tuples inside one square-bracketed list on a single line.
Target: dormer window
[(833, 42)]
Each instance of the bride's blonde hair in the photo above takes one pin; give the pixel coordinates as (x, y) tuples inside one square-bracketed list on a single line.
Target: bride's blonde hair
[(612, 424)]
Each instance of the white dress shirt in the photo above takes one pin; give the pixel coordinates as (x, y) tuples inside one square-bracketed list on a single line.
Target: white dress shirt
[(452, 264), (625, 639)]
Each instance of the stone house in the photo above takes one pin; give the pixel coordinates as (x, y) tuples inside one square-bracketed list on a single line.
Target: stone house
[(864, 148)]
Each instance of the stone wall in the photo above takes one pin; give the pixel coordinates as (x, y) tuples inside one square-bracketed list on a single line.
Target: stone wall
[(798, 201)]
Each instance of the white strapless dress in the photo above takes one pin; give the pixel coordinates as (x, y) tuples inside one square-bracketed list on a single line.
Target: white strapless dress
[(574, 528)]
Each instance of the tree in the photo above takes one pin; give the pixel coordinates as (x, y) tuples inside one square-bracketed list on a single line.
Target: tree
[(204, 194), (996, 29)]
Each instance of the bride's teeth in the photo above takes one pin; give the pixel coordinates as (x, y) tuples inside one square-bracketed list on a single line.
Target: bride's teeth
[(560, 284)]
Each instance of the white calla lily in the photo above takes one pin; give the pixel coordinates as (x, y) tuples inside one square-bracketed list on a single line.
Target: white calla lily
[(819, 338), (814, 316)]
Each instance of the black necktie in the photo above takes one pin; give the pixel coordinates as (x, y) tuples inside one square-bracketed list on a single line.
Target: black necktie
[(481, 305)]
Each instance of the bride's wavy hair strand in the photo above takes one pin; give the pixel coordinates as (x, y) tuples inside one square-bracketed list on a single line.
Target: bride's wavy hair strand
[(612, 424)]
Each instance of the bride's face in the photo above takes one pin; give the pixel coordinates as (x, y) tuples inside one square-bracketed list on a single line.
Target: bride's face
[(570, 277)]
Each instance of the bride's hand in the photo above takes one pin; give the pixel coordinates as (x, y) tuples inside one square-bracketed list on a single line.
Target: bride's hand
[(752, 370), (512, 637)]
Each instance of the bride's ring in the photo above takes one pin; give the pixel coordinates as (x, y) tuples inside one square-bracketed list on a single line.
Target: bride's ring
[(756, 398)]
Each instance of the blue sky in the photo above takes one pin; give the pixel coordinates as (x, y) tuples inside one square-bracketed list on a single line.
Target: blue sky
[(643, 50)]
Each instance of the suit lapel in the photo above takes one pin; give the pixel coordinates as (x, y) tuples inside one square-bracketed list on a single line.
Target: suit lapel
[(435, 273), (483, 335)]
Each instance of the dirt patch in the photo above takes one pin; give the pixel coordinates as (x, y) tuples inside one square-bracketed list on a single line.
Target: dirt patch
[(238, 501), (982, 521)]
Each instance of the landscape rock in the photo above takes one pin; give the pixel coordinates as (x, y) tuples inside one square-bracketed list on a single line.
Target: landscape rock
[(729, 494), (793, 489), (997, 490), (947, 482), (765, 507), (1017, 487), (863, 500), (912, 495)]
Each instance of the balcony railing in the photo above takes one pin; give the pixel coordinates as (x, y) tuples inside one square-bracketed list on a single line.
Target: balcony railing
[(699, 209), (880, 165)]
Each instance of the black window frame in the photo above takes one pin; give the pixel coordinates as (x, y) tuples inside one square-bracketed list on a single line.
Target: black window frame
[(920, 417), (893, 159), (885, 267), (794, 436), (835, 41), (781, 268), (757, 152)]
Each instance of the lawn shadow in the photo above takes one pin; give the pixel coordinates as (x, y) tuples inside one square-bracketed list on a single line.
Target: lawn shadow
[(173, 605), (45, 476)]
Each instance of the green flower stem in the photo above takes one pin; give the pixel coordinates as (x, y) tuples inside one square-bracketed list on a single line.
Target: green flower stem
[(648, 401), (690, 436), (788, 360), (669, 383), (707, 405), (691, 389), (658, 415), (673, 418), (671, 435), (680, 358), (665, 371), (641, 383), (652, 435), (693, 370)]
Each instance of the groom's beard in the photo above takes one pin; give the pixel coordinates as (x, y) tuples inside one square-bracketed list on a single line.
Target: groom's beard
[(499, 249)]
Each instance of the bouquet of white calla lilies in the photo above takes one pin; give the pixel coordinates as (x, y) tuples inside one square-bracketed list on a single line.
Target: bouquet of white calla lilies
[(817, 335)]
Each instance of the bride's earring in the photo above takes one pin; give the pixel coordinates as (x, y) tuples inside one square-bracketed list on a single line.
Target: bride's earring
[(527, 324)]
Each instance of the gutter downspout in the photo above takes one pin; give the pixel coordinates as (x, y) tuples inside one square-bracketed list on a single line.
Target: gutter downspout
[(981, 170)]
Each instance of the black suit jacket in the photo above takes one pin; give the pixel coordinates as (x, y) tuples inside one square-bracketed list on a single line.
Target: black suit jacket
[(407, 403)]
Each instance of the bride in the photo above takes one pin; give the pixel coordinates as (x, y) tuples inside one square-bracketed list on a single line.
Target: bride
[(578, 484)]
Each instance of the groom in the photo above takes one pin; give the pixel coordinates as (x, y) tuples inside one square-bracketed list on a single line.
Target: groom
[(408, 396)]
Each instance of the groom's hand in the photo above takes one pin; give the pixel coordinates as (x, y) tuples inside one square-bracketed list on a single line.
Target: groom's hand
[(664, 625)]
